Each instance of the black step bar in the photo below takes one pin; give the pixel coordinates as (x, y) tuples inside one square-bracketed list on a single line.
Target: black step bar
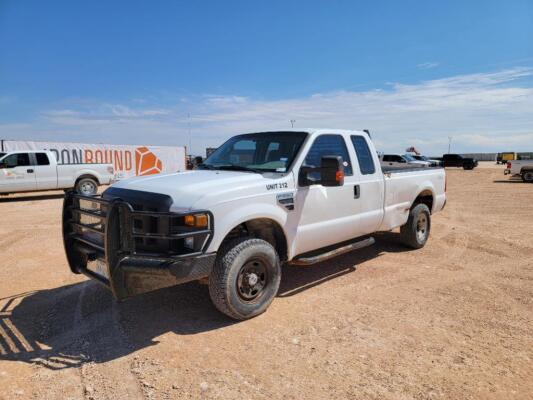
[(304, 261)]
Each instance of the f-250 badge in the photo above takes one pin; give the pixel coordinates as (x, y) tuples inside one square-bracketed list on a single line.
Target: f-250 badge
[(286, 200)]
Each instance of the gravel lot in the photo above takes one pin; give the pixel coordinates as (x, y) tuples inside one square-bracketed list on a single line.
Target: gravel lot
[(453, 320)]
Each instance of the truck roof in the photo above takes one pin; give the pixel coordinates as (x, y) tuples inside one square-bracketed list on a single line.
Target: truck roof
[(316, 131)]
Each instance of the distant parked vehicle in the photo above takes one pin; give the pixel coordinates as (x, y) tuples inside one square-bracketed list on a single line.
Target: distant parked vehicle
[(433, 163), (457, 160), (524, 168), (502, 158), (29, 171), (397, 161)]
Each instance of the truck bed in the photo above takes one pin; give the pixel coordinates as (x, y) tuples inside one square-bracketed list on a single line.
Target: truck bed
[(402, 185), (387, 170)]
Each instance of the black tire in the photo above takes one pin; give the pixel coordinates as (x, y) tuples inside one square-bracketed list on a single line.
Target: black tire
[(527, 176), (87, 186), (468, 167), (415, 232), (239, 263)]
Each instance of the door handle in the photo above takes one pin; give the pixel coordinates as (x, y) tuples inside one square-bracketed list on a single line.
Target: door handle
[(356, 192), (29, 171)]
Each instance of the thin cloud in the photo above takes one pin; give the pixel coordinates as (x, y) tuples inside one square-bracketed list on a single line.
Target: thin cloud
[(427, 65), (483, 112)]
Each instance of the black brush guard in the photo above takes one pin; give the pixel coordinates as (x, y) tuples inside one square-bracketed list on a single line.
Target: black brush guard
[(131, 250)]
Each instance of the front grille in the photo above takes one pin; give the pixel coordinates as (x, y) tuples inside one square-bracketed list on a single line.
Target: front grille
[(130, 225)]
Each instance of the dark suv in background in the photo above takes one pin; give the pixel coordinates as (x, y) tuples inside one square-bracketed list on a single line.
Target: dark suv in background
[(457, 160)]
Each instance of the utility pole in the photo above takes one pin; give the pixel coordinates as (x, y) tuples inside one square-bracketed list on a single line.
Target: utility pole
[(189, 131), (292, 123), (449, 143)]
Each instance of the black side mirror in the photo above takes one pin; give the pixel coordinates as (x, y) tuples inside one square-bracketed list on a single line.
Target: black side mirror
[(331, 171)]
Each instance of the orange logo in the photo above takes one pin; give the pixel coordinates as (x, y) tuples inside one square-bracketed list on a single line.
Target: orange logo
[(147, 163)]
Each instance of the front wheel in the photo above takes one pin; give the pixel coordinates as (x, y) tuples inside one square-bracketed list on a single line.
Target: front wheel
[(415, 232), (245, 278)]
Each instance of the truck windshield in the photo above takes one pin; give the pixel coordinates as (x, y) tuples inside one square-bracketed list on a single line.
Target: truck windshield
[(409, 157), (257, 152)]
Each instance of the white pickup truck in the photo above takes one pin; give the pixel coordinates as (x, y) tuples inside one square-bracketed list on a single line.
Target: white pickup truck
[(259, 201), (29, 171), (524, 168)]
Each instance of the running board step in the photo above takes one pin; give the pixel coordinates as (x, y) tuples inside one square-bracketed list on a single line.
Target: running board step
[(334, 253)]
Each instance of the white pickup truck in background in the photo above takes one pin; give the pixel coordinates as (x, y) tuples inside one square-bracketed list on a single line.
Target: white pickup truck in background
[(524, 168), (398, 161), (259, 201), (29, 171)]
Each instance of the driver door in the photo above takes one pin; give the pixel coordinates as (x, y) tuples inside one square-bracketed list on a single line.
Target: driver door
[(17, 174), (325, 215)]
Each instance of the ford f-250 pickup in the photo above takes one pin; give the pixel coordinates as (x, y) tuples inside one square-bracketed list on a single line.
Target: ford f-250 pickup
[(259, 201), (30, 171)]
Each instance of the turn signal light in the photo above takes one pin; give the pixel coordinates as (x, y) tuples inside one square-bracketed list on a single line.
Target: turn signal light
[(339, 176), (198, 220)]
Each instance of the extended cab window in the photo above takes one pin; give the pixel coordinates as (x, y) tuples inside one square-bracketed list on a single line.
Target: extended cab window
[(42, 159), (328, 145), (364, 156), (17, 160)]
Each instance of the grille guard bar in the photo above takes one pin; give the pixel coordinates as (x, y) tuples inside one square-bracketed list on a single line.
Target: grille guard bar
[(109, 238)]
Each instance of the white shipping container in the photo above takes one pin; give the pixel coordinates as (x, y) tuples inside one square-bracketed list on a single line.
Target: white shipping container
[(129, 160)]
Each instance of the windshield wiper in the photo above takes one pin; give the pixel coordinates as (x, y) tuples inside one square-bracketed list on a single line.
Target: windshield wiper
[(233, 167), (205, 166)]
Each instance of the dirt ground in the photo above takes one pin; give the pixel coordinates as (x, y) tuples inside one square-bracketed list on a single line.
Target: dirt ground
[(453, 320)]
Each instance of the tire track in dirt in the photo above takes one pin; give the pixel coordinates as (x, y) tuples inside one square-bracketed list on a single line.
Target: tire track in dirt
[(111, 380)]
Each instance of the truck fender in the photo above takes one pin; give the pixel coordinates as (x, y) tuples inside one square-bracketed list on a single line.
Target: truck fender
[(225, 221), (88, 174)]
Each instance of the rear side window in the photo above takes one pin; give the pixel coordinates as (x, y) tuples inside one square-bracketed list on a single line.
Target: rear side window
[(364, 156), (328, 145), (42, 159)]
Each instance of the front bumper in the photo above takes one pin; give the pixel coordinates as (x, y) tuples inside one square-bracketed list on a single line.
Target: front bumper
[(130, 248)]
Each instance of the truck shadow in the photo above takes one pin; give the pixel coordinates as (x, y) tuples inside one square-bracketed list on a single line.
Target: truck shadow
[(32, 198), (512, 180), (69, 326)]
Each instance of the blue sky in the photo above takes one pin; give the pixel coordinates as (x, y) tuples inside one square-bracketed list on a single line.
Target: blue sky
[(413, 72)]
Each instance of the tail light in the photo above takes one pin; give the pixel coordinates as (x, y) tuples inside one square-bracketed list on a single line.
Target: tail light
[(508, 165)]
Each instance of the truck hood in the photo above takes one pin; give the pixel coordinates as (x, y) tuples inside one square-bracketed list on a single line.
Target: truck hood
[(187, 188)]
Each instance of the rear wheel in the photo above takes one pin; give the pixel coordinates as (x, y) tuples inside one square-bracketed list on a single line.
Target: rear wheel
[(87, 186), (245, 278), (415, 232), (527, 176)]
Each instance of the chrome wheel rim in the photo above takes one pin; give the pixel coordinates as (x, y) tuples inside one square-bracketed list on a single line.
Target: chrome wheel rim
[(87, 188), (422, 225)]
